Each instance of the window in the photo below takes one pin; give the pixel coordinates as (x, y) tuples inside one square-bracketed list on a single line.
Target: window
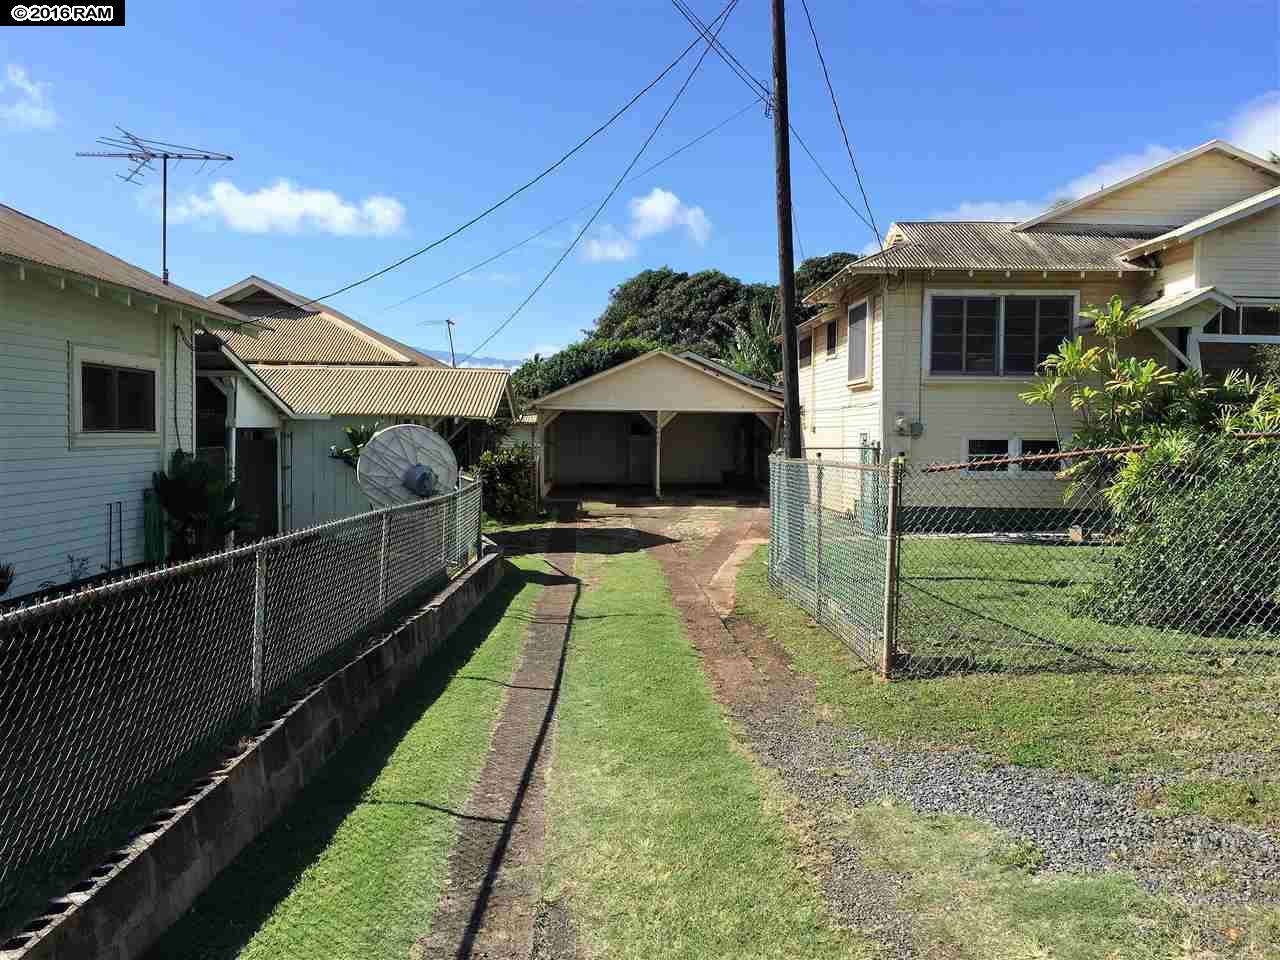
[(806, 351), (858, 341), (1246, 322), (117, 399), (991, 335), (980, 451), (1034, 327), (1033, 447), (833, 329)]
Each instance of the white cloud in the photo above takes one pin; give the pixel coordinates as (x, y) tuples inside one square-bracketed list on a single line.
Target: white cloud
[(661, 210), (870, 247), (1113, 171), (1256, 126), (285, 208), (26, 103), (608, 245), (543, 350), (658, 211)]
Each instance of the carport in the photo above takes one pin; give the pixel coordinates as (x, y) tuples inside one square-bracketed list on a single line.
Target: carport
[(659, 420)]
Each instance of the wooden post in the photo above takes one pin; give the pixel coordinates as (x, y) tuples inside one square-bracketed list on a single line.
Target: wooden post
[(657, 456), (889, 650), (786, 257)]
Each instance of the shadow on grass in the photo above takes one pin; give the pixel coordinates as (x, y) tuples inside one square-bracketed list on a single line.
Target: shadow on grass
[(593, 540), (231, 911)]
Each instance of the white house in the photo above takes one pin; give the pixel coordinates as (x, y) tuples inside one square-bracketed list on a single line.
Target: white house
[(96, 368), (274, 400)]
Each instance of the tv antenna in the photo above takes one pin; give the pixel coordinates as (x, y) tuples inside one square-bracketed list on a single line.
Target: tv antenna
[(142, 154), (449, 323)]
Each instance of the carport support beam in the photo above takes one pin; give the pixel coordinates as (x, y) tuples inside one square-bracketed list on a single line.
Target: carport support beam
[(661, 420)]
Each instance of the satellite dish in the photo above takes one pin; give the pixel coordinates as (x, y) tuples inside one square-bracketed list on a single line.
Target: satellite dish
[(404, 463)]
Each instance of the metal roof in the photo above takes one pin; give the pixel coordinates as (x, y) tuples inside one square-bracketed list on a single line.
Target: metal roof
[(1152, 314), (730, 372), (407, 391), (1219, 218), (36, 242), (306, 331), (988, 245)]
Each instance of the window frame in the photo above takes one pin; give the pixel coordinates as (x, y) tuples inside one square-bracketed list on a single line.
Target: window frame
[(1015, 442), (999, 294), (1244, 303), (867, 352), (79, 356), (803, 361)]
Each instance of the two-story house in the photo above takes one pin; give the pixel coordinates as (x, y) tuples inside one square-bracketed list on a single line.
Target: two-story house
[(924, 347)]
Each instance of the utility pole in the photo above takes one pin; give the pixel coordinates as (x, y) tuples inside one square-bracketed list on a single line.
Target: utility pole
[(142, 153), (786, 258)]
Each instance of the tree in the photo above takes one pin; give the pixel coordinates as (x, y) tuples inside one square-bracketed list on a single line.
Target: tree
[(816, 271), (199, 504), (755, 350), (538, 375)]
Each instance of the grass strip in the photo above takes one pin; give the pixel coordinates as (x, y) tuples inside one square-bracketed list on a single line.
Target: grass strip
[(354, 868), (660, 839)]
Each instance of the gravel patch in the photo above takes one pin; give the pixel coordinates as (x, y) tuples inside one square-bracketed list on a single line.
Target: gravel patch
[(1079, 824)]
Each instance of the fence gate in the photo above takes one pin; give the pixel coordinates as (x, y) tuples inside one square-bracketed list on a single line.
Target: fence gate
[(830, 547)]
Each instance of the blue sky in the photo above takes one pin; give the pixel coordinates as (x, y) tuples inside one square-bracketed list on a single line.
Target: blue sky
[(359, 138)]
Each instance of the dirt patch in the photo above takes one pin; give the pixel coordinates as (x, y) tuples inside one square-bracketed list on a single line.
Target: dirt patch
[(490, 904), (553, 934)]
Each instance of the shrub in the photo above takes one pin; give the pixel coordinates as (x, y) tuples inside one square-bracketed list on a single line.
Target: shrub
[(508, 478), (1198, 547), (199, 505)]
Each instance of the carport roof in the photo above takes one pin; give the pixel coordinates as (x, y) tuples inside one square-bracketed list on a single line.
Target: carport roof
[(689, 383)]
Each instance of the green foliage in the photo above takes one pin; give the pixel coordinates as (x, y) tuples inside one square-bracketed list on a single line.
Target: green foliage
[(1265, 359), (199, 505), (6, 577), (538, 375), (754, 349), (357, 437), (818, 270), (507, 475)]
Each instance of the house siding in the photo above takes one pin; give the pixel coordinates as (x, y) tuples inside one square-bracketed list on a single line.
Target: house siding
[(56, 496), (1178, 195), (1243, 258), (1177, 273), (837, 414)]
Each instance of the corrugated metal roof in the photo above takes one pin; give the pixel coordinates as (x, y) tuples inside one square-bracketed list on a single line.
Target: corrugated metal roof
[(35, 241), (987, 245), (730, 372), (1151, 314), (407, 391), (309, 338), (1219, 218), (335, 338)]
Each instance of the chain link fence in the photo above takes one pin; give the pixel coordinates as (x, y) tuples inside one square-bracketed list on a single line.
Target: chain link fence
[(111, 696), (1050, 562)]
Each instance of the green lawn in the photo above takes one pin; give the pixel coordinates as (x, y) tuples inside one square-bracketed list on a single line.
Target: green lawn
[(353, 869), (1103, 724), (663, 839)]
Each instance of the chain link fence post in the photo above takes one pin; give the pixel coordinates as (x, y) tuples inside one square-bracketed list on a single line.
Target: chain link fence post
[(259, 630), (818, 561), (480, 519), (382, 562), (889, 650)]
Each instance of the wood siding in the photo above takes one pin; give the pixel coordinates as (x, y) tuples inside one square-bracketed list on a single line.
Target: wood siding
[(56, 496), (1176, 196), (835, 413), (1177, 273), (1243, 259)]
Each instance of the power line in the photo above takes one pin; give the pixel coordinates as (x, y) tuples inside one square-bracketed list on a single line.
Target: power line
[(756, 86), (722, 19), (586, 206), (521, 189), (835, 105)]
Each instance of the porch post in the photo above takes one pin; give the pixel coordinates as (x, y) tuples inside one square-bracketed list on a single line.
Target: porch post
[(657, 456)]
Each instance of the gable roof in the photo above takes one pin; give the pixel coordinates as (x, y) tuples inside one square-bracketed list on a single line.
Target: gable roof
[(764, 396), (1213, 146), (1210, 299), (33, 241), (1247, 207), (470, 393), (302, 331)]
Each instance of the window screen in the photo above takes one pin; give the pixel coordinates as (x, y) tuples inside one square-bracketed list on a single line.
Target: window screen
[(983, 450), (806, 350), (117, 399), (832, 332), (964, 334), (858, 342), (1032, 447)]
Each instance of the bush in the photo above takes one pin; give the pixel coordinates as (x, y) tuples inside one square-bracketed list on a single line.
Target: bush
[(1199, 543), (508, 478)]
